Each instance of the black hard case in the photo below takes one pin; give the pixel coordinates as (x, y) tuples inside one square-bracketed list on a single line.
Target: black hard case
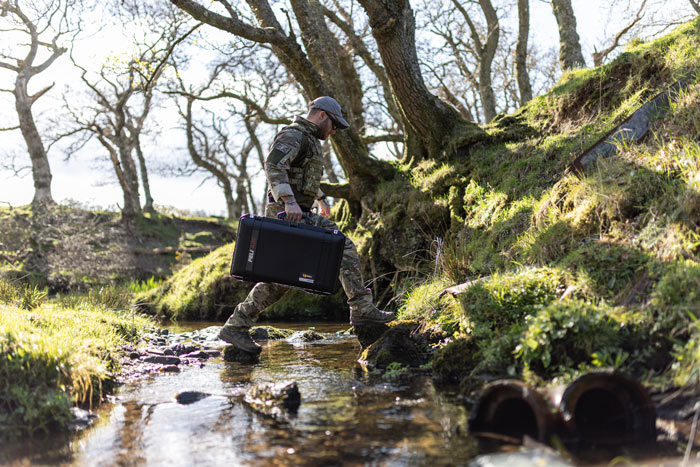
[(290, 253)]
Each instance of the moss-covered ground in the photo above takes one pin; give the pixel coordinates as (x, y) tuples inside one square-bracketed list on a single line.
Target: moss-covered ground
[(570, 271), (58, 353)]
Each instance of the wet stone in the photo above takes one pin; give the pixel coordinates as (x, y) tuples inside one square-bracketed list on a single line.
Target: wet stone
[(182, 349), (162, 359), (170, 369), (80, 419), (168, 352), (271, 399), (134, 355), (198, 354), (305, 336), (233, 354), (190, 397)]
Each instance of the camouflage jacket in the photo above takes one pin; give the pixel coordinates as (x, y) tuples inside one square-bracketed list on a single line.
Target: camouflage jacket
[(294, 165)]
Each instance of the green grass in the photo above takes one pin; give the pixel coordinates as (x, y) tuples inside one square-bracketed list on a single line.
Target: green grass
[(54, 356), (574, 272)]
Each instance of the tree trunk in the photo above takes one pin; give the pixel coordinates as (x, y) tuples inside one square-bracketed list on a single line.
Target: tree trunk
[(148, 206), (241, 202), (521, 71), (128, 208), (352, 85), (438, 127), (41, 171), (131, 177), (570, 55), (488, 97), (232, 212), (328, 163), (317, 76)]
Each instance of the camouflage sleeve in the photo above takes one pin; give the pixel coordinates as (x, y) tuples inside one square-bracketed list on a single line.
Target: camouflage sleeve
[(284, 149)]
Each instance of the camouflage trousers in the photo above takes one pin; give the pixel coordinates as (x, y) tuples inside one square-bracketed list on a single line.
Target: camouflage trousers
[(264, 294)]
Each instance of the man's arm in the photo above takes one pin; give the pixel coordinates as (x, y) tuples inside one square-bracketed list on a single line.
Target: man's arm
[(277, 164), (322, 204)]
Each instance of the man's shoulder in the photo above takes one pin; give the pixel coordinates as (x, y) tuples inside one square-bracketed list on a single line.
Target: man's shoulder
[(290, 133), (287, 139)]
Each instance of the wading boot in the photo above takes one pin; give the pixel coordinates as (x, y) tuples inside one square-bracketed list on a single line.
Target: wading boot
[(239, 337), (361, 315)]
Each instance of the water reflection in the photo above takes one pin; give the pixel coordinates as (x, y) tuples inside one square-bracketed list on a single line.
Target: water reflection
[(345, 417)]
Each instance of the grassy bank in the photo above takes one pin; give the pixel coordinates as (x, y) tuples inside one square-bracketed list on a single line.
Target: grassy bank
[(58, 353), (573, 272), (204, 290)]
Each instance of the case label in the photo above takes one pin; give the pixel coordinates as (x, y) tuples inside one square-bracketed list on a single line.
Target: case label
[(308, 278)]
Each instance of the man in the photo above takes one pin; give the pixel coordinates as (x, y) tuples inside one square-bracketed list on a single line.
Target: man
[(294, 168)]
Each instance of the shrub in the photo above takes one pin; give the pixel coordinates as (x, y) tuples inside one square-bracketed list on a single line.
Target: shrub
[(679, 286), (572, 335), (504, 299)]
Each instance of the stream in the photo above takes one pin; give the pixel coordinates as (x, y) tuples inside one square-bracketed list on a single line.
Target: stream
[(347, 415)]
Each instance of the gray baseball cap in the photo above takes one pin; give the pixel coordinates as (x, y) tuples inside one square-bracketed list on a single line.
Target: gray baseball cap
[(330, 105)]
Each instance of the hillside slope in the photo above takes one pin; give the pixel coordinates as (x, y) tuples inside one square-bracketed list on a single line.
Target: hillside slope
[(574, 271), (68, 248)]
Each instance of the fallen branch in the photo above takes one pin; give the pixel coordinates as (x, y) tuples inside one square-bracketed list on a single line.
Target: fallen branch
[(461, 288)]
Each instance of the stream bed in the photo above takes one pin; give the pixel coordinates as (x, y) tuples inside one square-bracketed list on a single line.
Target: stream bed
[(347, 415)]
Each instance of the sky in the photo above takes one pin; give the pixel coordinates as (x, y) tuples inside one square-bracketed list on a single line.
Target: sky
[(94, 185)]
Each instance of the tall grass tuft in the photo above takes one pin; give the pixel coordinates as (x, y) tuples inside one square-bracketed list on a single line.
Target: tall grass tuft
[(53, 356)]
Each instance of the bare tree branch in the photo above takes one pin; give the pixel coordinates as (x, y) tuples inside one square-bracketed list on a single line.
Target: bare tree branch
[(599, 57), (229, 24), (41, 93), (382, 138), (9, 67), (246, 100), (336, 190), (696, 5)]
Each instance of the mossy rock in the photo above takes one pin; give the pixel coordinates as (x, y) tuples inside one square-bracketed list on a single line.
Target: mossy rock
[(455, 360), (396, 345), (367, 334), (305, 336), (262, 333)]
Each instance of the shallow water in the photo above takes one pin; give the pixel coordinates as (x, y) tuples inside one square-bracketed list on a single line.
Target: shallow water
[(346, 416)]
